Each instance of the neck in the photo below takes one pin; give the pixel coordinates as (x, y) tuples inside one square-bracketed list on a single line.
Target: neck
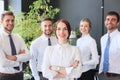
[(84, 34), (110, 31), (9, 32), (48, 36), (62, 42)]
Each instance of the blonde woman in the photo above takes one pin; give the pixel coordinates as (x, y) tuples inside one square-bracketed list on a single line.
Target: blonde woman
[(88, 50)]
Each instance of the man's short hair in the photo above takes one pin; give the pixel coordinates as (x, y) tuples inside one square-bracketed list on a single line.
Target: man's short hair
[(114, 13), (6, 13), (46, 19)]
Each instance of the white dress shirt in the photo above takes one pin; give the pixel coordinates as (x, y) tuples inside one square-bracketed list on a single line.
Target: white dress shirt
[(37, 49), (89, 53), (114, 52), (6, 66), (63, 56)]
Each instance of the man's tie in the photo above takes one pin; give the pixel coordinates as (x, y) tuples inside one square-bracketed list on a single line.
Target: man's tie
[(106, 56), (13, 50), (49, 42)]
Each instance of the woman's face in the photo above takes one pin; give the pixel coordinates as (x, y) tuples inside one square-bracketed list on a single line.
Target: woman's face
[(62, 31), (84, 27)]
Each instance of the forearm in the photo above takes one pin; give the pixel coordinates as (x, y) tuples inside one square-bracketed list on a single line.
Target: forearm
[(23, 57), (59, 75), (10, 57), (8, 63), (65, 70)]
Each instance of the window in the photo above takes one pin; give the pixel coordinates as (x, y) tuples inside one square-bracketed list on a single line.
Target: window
[(1, 6)]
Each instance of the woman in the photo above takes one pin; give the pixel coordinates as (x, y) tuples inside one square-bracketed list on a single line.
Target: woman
[(88, 50), (63, 61)]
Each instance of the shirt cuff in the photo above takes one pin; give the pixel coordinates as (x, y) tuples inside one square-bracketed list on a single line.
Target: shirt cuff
[(68, 70)]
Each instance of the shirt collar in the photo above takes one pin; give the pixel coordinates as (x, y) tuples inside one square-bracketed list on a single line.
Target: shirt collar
[(45, 37), (5, 33), (63, 45), (113, 33), (85, 35)]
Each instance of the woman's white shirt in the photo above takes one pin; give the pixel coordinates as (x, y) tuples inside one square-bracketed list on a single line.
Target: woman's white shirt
[(89, 53), (63, 56)]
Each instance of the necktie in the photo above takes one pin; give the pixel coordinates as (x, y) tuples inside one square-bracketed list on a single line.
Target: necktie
[(106, 56), (49, 42), (13, 49)]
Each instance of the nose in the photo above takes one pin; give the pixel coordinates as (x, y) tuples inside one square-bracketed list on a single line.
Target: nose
[(62, 30), (110, 21), (11, 22), (48, 27)]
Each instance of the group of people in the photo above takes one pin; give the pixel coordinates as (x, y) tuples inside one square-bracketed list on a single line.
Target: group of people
[(53, 58)]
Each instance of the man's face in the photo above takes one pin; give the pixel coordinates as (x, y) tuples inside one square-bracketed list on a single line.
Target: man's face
[(8, 23), (111, 22), (46, 27)]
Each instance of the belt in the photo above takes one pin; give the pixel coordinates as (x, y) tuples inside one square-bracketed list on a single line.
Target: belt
[(112, 75), (5, 74)]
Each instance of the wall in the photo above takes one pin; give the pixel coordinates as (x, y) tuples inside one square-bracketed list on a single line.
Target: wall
[(16, 5), (1, 7), (26, 4), (111, 5), (75, 10)]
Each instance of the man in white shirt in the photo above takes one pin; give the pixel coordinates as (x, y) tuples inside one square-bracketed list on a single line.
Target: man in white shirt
[(38, 46), (112, 69), (13, 50)]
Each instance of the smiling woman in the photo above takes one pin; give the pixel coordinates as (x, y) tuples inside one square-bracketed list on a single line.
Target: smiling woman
[(62, 61), (88, 48)]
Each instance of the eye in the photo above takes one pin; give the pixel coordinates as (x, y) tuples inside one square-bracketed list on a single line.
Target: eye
[(65, 28), (58, 29), (114, 20), (81, 25), (107, 19), (7, 20)]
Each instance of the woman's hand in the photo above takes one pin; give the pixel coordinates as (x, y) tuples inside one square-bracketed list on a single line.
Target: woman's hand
[(61, 70), (75, 64)]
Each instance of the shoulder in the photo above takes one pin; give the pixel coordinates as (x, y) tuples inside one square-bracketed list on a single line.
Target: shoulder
[(78, 41), (17, 35), (118, 34), (92, 40), (37, 40), (104, 36)]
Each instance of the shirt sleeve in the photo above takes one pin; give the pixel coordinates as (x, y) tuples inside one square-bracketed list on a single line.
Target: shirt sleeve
[(4, 62), (76, 72), (26, 56), (46, 64), (94, 54), (33, 61), (77, 42)]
